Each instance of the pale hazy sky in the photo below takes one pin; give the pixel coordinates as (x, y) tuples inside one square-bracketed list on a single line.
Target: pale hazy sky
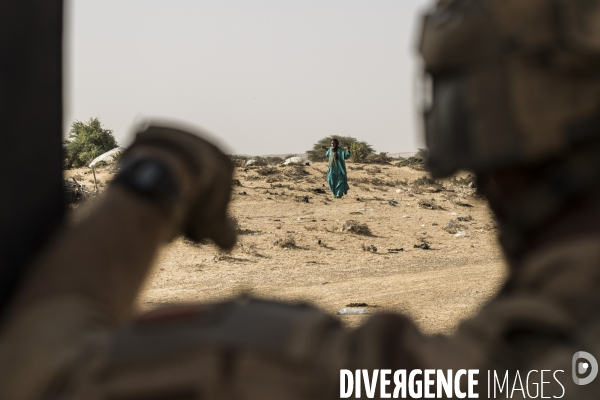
[(263, 76)]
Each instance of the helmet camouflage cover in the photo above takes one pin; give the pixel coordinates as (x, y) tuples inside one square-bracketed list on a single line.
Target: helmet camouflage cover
[(510, 81)]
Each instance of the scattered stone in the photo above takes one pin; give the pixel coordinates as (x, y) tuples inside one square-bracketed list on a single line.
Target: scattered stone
[(465, 219), (317, 190), (396, 250), (429, 204), (461, 234), (236, 182), (423, 246), (369, 247), (460, 203), (453, 227), (357, 305)]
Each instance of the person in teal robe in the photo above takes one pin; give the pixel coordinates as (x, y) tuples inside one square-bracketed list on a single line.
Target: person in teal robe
[(337, 176)]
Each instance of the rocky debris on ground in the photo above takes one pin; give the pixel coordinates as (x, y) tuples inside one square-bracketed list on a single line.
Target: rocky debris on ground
[(423, 246), (453, 227), (429, 204), (369, 247), (76, 193), (396, 250), (318, 190), (462, 204)]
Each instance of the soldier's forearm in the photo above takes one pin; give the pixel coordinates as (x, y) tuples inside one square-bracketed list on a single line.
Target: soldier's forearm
[(104, 258)]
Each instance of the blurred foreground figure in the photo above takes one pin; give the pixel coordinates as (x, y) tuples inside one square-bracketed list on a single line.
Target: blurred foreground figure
[(515, 97)]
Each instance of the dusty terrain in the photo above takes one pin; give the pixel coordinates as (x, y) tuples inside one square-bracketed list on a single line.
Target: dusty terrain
[(294, 250)]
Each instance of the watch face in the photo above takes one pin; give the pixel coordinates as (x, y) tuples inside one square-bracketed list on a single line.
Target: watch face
[(151, 179), (148, 175)]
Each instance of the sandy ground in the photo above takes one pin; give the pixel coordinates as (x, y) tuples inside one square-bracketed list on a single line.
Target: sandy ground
[(438, 287)]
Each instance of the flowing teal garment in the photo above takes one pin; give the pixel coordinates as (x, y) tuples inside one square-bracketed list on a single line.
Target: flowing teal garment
[(337, 177)]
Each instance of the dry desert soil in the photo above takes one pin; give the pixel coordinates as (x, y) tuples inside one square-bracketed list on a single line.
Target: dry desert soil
[(293, 246)]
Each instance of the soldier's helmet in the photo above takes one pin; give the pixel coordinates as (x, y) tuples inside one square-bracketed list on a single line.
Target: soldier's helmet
[(510, 82)]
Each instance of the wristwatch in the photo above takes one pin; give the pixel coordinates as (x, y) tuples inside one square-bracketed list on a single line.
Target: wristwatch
[(152, 180)]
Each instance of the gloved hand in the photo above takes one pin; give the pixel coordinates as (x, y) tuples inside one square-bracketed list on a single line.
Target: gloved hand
[(208, 180)]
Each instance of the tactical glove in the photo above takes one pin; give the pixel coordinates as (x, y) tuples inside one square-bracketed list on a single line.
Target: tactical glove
[(203, 206)]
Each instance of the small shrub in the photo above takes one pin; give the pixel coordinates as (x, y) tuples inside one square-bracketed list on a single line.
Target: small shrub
[(369, 247), (373, 170), (429, 204), (296, 171), (356, 228), (287, 242), (87, 141), (381, 158), (453, 227), (264, 171), (318, 154), (359, 152)]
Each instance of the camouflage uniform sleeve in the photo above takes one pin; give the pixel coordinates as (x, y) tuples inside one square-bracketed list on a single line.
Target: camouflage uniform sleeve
[(255, 349)]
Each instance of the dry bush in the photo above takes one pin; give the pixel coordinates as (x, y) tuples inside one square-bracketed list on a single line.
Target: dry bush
[(381, 158), (356, 228), (287, 242), (264, 171), (371, 181), (296, 171), (310, 228), (453, 227), (429, 204), (356, 167), (369, 247), (411, 162), (274, 178), (302, 199), (282, 186), (424, 182), (468, 181), (373, 170)]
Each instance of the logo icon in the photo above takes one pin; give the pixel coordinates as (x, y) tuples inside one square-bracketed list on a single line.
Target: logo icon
[(584, 364)]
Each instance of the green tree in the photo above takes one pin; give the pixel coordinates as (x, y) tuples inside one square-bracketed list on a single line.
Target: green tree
[(364, 149), (87, 141)]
